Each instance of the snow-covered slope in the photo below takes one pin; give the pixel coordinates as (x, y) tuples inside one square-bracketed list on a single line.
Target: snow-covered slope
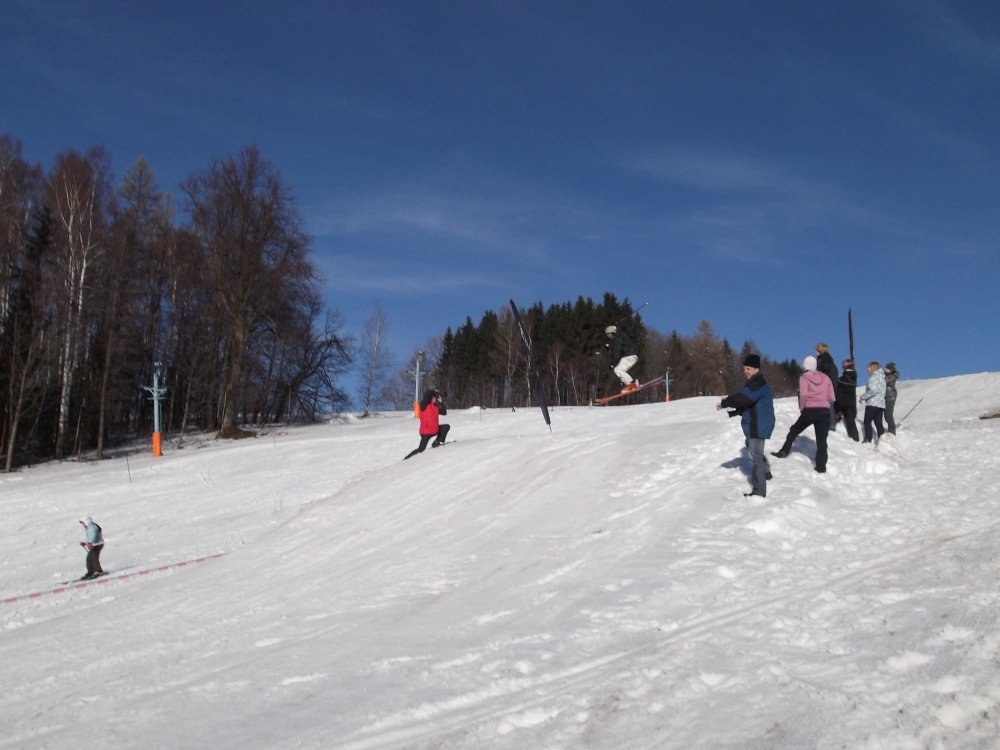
[(605, 585)]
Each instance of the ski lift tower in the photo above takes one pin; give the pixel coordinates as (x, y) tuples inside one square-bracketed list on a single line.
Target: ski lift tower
[(416, 386), (156, 392)]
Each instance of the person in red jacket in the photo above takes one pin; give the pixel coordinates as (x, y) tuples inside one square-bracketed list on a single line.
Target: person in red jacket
[(431, 407)]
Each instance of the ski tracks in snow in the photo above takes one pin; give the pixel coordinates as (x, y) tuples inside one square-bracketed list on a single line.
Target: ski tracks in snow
[(790, 574), (665, 607), (790, 598)]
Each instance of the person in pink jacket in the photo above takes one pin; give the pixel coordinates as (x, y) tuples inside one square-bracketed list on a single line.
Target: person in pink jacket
[(815, 396)]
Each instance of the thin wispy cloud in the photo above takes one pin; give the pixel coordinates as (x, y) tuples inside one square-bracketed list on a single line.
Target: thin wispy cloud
[(423, 274), (523, 225), (422, 212), (942, 25), (713, 172), (733, 204)]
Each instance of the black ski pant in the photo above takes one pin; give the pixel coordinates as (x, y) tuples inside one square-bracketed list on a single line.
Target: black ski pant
[(873, 416), (440, 437), (819, 418), (849, 413), (94, 560), (890, 420)]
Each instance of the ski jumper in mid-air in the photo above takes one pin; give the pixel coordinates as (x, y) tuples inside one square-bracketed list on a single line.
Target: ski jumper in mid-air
[(624, 355)]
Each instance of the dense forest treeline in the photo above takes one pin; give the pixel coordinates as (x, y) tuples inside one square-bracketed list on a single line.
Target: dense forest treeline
[(485, 363), (103, 285), (99, 282)]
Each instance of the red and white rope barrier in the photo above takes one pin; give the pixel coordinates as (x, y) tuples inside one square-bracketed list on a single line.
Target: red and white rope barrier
[(75, 585)]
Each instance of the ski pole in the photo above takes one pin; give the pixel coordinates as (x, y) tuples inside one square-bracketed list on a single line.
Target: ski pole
[(910, 411), (629, 315)]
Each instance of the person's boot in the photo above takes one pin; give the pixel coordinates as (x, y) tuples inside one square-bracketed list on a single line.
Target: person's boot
[(782, 453)]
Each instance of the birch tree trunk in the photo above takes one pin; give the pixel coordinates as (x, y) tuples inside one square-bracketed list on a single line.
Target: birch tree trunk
[(76, 190)]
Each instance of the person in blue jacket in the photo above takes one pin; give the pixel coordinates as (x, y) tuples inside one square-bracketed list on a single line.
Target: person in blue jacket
[(94, 544), (874, 400), (754, 403)]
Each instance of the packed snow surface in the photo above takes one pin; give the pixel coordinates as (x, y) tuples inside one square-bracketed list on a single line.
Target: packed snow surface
[(604, 584)]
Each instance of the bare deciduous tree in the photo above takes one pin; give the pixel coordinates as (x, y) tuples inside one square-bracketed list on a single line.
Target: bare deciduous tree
[(374, 357), (256, 253), (77, 192), (139, 218)]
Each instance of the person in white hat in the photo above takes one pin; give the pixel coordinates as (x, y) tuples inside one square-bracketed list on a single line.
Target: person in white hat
[(624, 355), (93, 544), (815, 398)]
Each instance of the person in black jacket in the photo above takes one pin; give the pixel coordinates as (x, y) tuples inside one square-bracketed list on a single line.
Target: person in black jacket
[(826, 365), (624, 355), (847, 398), (891, 376)]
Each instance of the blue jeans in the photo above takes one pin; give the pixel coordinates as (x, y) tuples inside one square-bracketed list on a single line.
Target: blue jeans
[(759, 466)]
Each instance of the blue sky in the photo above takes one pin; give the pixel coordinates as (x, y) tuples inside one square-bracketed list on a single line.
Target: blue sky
[(761, 165)]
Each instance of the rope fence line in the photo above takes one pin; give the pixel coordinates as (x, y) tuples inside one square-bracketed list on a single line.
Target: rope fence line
[(103, 580)]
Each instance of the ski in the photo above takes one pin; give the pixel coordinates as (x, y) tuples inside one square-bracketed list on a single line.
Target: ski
[(615, 396), (903, 419), (84, 578)]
